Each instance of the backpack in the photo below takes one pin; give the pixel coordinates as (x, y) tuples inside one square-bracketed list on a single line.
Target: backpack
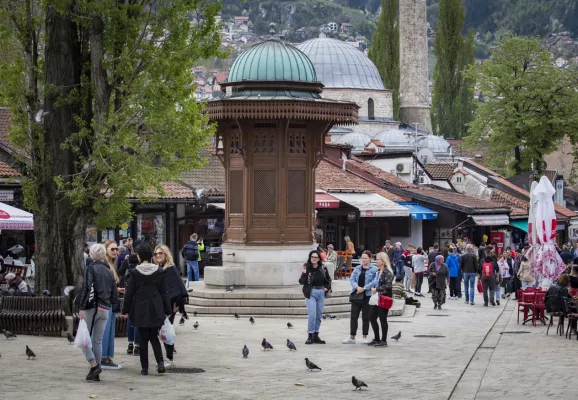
[(487, 269), (554, 299)]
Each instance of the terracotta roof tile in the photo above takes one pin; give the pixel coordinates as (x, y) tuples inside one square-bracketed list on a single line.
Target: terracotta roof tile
[(482, 168), (519, 207), (7, 171), (210, 177), (329, 176), (438, 171), (173, 190)]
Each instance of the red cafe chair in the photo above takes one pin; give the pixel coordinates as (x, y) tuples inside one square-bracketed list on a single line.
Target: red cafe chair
[(525, 304), (539, 307)]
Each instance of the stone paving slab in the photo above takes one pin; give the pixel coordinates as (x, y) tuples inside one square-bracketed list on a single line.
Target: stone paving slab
[(404, 370)]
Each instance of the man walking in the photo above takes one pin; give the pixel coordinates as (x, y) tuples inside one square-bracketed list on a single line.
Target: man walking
[(389, 251), (488, 276), (469, 267), (190, 253), (397, 260)]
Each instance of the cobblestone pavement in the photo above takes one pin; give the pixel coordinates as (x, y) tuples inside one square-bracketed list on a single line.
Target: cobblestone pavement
[(471, 361)]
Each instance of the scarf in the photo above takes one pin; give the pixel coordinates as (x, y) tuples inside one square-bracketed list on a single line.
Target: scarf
[(438, 262)]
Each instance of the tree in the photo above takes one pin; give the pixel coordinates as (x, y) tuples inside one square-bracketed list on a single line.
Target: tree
[(100, 94), (454, 54), (468, 83), (530, 105), (384, 51)]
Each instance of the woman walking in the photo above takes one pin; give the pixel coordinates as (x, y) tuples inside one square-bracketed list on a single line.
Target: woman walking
[(419, 261), (362, 281), (176, 290), (440, 279), (525, 274), (147, 301), (316, 284), (110, 329), (95, 298), (383, 281)]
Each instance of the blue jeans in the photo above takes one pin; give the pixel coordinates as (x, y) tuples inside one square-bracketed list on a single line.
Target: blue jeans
[(108, 337), (193, 270), (315, 304), (527, 284), (498, 292), (399, 269), (469, 285), (132, 333)]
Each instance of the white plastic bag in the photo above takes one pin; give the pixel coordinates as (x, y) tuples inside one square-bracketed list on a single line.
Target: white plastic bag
[(82, 338), (374, 299), (167, 333)]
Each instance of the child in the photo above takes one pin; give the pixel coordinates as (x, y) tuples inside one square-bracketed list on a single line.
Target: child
[(398, 288)]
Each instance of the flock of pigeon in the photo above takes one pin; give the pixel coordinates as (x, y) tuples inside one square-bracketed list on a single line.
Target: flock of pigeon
[(29, 353)]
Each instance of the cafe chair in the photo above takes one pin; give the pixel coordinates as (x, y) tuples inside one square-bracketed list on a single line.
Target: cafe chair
[(525, 304), (539, 307)]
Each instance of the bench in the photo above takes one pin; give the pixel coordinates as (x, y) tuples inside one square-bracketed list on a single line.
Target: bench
[(120, 321), (18, 270), (34, 315)]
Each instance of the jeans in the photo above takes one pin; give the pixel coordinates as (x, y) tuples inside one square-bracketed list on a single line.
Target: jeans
[(399, 268), (527, 284), (407, 277), (193, 270), (418, 282), (498, 292), (376, 312), (132, 333), (489, 284), (94, 353), (108, 338), (364, 308), (150, 335), (315, 304), (469, 285)]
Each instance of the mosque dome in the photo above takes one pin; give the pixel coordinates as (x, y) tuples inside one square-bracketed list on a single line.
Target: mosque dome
[(340, 65), (437, 144), (355, 139), (394, 138)]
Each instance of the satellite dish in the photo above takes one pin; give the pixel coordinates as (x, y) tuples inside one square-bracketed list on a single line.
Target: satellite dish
[(425, 156)]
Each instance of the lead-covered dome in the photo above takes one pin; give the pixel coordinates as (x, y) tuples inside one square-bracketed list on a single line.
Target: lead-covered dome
[(340, 65), (272, 60), (437, 144), (394, 138), (355, 139)]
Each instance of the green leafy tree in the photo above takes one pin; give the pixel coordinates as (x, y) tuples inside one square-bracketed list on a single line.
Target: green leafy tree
[(454, 54), (384, 51), (101, 98), (530, 105), (468, 83)]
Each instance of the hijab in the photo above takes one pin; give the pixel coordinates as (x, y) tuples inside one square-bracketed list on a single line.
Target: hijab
[(439, 261)]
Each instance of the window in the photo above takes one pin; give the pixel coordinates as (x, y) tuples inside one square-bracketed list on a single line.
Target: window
[(370, 109), (459, 179)]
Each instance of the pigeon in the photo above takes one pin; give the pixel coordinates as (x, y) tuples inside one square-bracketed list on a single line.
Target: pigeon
[(230, 288), (237, 316), (266, 345), (289, 325), (396, 337), (194, 314), (324, 316), (251, 320), (196, 325), (8, 334), (291, 345), (358, 383), (70, 338), (310, 365), (182, 321), (30, 353), (245, 352), (331, 316)]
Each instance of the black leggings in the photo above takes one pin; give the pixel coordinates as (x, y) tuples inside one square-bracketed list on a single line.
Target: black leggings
[(376, 312), (170, 348), (418, 282), (364, 309), (149, 335)]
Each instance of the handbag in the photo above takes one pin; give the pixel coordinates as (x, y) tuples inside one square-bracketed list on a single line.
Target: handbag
[(480, 288), (355, 297), (385, 302)]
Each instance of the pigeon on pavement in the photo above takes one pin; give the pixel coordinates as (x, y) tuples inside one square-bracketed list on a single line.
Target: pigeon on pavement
[(70, 338), (311, 366), (289, 325), (251, 320), (291, 345), (324, 316), (196, 325), (358, 383), (8, 334), (397, 337), (245, 352), (266, 345), (194, 314), (237, 316), (30, 353), (230, 288)]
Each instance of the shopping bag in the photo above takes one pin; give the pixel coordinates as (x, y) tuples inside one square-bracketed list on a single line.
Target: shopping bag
[(82, 339), (167, 333), (373, 299), (480, 289)]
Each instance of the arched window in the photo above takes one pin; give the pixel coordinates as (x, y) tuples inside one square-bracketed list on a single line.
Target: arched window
[(370, 109)]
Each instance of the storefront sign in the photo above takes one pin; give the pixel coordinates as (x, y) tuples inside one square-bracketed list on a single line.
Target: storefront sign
[(150, 206), (560, 192), (6, 195), (326, 204), (351, 216)]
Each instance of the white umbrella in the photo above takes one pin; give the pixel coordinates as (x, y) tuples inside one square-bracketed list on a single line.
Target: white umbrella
[(532, 234), (12, 218), (546, 258)]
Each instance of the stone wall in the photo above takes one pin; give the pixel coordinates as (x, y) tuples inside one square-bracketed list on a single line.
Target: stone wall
[(383, 102)]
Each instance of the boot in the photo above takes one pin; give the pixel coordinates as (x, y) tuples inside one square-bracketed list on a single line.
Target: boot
[(309, 339), (316, 339)]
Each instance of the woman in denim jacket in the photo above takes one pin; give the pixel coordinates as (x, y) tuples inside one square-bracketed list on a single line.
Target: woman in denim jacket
[(362, 281)]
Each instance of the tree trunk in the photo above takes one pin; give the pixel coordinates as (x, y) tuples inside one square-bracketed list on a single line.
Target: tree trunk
[(518, 158), (59, 225)]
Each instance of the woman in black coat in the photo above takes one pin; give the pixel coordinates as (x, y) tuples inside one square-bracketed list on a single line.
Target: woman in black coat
[(147, 301)]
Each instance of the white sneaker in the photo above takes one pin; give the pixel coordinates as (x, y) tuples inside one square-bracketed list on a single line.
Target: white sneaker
[(364, 340), (348, 341), (170, 364)]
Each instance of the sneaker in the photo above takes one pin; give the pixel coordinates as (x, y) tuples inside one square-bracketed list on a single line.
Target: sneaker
[(373, 342), (161, 368), (170, 364), (93, 373), (466, 302), (109, 364), (136, 351), (472, 303), (440, 307), (492, 303), (485, 304), (381, 344), (435, 307), (130, 348), (348, 341), (498, 302), (144, 371), (364, 340)]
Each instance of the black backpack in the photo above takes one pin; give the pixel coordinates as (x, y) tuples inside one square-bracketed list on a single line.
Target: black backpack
[(553, 300)]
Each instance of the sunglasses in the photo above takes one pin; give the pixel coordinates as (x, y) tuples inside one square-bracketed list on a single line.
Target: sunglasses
[(314, 257), (159, 254), (113, 249)]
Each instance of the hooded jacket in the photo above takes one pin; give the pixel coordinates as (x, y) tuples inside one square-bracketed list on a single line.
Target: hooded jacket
[(146, 298), (453, 264)]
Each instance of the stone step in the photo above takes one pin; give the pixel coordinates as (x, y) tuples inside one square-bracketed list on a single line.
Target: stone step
[(255, 294), (220, 310), (203, 302)]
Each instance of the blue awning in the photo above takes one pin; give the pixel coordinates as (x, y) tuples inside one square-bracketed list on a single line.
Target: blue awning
[(418, 212), (520, 224)]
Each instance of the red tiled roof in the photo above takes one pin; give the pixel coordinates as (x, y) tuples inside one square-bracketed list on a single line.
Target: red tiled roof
[(329, 176), (210, 177), (173, 190), (7, 171), (519, 207), (453, 200), (439, 171), (482, 168)]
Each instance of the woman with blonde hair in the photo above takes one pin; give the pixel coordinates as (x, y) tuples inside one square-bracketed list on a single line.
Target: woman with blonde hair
[(383, 286), (175, 288), (110, 329), (349, 247)]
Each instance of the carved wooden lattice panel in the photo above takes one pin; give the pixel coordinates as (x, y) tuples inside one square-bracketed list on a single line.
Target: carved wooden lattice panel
[(296, 192), (264, 192), (264, 144), (297, 143), (236, 191), (235, 144)]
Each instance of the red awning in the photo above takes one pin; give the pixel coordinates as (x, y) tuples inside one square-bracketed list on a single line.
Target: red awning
[(324, 200)]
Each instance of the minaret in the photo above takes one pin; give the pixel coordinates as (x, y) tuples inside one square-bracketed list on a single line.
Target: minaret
[(413, 64)]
